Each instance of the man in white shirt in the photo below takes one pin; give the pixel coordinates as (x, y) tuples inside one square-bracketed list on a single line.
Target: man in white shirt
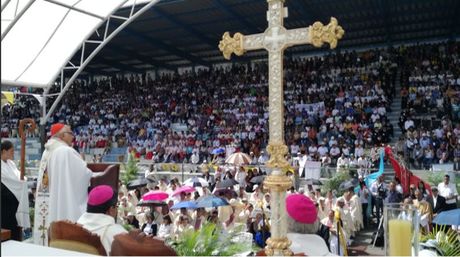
[(322, 150), (302, 163), (100, 215), (262, 158), (448, 191)]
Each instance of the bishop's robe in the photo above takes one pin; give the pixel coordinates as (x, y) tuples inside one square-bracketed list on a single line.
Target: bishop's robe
[(62, 189)]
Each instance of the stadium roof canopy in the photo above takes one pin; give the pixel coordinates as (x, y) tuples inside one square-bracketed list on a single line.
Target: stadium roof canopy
[(179, 33), (39, 37), (50, 38)]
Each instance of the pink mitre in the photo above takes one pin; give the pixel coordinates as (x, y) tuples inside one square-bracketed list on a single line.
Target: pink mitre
[(100, 195), (301, 208)]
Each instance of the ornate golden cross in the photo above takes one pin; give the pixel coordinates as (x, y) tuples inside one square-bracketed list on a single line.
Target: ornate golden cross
[(275, 40)]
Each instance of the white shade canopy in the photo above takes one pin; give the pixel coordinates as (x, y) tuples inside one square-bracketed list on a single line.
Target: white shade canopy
[(46, 36)]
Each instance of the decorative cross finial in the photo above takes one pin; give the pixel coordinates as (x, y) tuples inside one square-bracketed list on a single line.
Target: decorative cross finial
[(330, 33), (229, 45)]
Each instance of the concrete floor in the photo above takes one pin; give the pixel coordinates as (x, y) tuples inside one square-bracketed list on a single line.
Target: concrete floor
[(362, 244)]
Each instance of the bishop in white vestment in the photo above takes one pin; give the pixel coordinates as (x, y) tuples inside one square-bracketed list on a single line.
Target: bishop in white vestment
[(63, 180)]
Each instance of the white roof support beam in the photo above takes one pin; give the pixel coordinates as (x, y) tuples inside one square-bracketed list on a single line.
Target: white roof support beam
[(85, 60)]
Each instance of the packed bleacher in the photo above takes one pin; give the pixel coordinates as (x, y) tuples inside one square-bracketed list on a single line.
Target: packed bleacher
[(430, 104), (336, 107), (335, 104)]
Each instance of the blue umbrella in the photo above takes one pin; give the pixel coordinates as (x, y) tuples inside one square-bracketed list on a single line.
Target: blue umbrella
[(186, 204), (451, 217), (218, 151), (211, 201)]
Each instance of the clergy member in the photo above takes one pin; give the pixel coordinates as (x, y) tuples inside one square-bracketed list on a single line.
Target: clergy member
[(100, 215), (15, 198), (63, 181)]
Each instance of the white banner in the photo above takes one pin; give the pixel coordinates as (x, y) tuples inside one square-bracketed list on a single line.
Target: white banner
[(312, 108), (312, 170)]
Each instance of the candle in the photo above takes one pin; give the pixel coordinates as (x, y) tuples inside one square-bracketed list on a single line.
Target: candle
[(400, 237)]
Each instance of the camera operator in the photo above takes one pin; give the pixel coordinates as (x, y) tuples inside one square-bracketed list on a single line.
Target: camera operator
[(379, 193)]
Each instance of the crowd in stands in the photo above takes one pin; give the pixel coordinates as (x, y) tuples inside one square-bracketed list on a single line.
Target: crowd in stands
[(335, 104), (430, 104)]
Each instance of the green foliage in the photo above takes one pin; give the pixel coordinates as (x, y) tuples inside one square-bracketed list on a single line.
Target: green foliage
[(334, 182), (130, 169), (448, 244), (128, 227), (210, 240), (435, 178)]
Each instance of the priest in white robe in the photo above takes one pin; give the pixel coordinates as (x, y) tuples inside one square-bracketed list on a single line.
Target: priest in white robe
[(15, 196), (63, 180), (345, 216), (354, 205), (100, 214)]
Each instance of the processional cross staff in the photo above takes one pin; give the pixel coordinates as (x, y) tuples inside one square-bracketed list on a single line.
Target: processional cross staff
[(22, 134), (275, 40)]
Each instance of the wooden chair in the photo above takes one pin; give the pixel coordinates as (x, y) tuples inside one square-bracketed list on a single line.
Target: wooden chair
[(109, 175), (72, 236), (136, 244)]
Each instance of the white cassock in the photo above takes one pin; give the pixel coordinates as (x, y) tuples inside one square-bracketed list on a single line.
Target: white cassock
[(62, 189), (11, 179), (333, 240), (347, 222), (356, 212), (103, 225)]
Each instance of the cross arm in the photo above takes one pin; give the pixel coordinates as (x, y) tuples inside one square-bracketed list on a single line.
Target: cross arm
[(239, 43), (316, 34), (330, 33)]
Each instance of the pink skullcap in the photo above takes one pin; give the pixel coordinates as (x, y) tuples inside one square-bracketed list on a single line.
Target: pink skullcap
[(100, 195), (301, 208), (55, 128)]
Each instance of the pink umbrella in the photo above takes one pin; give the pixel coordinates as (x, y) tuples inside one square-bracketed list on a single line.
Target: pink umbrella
[(156, 195), (183, 189)]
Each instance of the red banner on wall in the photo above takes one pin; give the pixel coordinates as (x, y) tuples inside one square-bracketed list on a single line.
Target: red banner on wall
[(404, 174)]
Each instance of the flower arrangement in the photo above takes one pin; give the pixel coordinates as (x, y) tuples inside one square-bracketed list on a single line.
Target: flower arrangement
[(211, 240)]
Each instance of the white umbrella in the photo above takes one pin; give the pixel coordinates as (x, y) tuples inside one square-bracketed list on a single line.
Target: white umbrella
[(196, 181), (238, 159)]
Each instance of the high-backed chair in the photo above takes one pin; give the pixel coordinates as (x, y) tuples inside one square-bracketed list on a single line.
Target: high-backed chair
[(72, 236), (108, 175), (133, 245)]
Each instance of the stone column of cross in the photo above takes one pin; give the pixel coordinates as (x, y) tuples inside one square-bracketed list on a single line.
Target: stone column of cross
[(275, 40)]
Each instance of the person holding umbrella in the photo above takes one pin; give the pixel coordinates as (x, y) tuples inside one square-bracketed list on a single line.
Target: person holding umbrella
[(199, 217), (182, 212)]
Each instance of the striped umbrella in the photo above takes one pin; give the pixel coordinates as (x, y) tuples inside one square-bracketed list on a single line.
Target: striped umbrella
[(238, 159)]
